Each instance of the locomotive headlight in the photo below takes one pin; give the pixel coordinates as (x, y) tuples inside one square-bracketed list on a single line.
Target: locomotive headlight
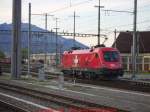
[(112, 65)]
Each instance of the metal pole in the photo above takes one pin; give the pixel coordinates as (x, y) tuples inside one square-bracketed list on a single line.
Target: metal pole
[(99, 21), (16, 40), (46, 21), (56, 43), (99, 12), (29, 39), (115, 44), (74, 29), (45, 39), (137, 50), (134, 40), (138, 43)]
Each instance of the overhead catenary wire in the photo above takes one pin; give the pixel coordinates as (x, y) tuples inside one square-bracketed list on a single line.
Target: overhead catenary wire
[(76, 4), (145, 21), (70, 6), (124, 25), (119, 25)]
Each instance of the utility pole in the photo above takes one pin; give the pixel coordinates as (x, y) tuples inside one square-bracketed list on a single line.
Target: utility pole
[(134, 40), (29, 39), (115, 38), (74, 28), (56, 41), (99, 21), (138, 43), (16, 40), (46, 21), (45, 41), (137, 49)]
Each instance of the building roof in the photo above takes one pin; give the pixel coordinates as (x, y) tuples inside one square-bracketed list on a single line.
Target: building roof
[(124, 42)]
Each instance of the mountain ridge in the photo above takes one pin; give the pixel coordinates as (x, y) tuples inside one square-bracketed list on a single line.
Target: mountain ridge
[(39, 43)]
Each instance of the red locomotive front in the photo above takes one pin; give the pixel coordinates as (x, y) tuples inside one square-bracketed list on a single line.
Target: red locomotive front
[(94, 62)]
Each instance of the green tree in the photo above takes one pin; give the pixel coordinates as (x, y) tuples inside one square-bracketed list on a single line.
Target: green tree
[(2, 55)]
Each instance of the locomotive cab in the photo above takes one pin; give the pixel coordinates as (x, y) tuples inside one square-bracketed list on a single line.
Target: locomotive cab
[(111, 63)]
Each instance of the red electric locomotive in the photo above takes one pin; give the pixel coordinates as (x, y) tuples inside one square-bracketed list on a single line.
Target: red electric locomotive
[(93, 63)]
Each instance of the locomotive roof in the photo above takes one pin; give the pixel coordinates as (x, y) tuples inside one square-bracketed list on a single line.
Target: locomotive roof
[(88, 50)]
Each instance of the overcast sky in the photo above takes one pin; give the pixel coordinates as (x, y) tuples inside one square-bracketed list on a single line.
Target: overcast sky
[(87, 20)]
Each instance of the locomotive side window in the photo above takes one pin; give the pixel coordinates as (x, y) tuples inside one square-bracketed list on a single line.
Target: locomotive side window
[(111, 56)]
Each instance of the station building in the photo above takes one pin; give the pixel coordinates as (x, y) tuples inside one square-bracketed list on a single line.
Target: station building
[(124, 44)]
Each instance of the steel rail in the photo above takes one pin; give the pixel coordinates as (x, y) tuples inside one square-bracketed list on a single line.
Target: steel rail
[(12, 107), (60, 100)]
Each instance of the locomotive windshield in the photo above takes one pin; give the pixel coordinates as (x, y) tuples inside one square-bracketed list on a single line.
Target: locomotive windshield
[(111, 56)]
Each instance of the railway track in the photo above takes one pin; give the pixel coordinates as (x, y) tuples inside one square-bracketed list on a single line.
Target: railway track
[(120, 84), (126, 84), (7, 107), (47, 100), (19, 102)]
